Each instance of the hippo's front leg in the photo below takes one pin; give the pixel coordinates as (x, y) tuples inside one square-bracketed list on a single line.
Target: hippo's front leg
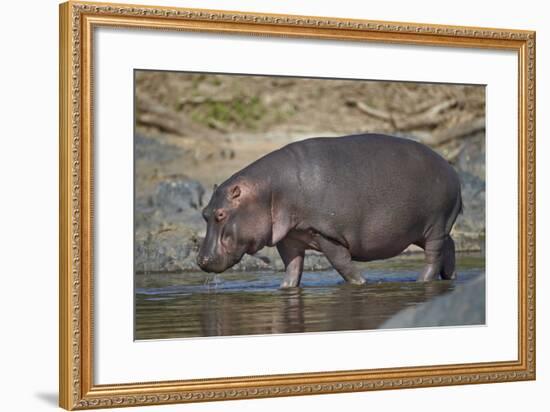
[(292, 254)]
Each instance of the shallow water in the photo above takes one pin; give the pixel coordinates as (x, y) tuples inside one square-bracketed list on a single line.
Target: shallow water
[(187, 305)]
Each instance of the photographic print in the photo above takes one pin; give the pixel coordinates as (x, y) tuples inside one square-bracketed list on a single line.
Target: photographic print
[(270, 205)]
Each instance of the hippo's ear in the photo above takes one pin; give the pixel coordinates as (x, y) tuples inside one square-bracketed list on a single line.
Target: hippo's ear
[(234, 192)]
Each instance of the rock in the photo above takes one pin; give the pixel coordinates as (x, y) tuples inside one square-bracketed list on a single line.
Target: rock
[(178, 200), (471, 158), (169, 226), (469, 230), (177, 195), (464, 306), (165, 251)]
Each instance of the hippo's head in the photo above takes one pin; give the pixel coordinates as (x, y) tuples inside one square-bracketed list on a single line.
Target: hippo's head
[(238, 219)]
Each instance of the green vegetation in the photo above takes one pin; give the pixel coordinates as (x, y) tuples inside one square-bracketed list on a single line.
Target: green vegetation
[(241, 111)]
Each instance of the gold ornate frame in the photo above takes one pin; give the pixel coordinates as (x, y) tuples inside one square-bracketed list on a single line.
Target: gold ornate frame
[(77, 23)]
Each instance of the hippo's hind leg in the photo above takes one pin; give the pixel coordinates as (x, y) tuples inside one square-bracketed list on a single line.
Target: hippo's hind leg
[(340, 258), (440, 259), (292, 254), (433, 252), (448, 271)]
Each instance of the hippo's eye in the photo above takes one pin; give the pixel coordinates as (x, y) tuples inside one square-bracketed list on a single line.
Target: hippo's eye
[(220, 215), (204, 215)]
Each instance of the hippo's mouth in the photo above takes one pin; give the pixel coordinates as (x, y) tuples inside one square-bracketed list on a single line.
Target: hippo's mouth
[(228, 252), (218, 265)]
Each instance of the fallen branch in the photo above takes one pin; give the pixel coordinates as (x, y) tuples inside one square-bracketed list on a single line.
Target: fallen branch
[(164, 123), (460, 130), (428, 118), (155, 115), (423, 106), (371, 111)]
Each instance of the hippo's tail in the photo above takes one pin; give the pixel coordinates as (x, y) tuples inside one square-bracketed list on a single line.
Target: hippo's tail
[(457, 210)]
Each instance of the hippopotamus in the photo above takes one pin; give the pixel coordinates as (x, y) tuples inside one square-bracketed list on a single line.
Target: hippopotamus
[(353, 198)]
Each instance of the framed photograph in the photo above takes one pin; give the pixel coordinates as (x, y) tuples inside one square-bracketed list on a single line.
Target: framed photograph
[(260, 205)]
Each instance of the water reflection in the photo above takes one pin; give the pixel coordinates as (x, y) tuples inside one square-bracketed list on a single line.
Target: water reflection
[(183, 305)]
